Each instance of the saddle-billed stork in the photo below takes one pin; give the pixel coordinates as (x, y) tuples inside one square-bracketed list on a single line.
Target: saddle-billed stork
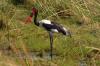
[(49, 26)]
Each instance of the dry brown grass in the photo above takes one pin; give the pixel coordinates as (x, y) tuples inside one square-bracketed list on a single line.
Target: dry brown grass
[(7, 61)]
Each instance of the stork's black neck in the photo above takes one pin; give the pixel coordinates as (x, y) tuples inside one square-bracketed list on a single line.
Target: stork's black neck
[(35, 19)]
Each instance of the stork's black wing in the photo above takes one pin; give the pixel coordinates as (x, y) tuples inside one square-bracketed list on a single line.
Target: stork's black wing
[(59, 27), (56, 26)]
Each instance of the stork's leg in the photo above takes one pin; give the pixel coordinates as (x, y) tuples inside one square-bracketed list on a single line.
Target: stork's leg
[(51, 43)]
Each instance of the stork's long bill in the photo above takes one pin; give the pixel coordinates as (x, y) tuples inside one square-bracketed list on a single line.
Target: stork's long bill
[(29, 18)]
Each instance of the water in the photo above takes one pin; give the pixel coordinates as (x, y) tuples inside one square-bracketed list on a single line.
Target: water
[(82, 63)]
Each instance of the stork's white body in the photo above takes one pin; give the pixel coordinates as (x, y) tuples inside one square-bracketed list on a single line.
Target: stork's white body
[(53, 27), (45, 21)]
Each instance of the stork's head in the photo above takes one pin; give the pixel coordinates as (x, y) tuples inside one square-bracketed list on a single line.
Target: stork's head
[(34, 11)]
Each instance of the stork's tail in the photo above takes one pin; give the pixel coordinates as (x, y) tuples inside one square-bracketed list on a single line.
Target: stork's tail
[(67, 32)]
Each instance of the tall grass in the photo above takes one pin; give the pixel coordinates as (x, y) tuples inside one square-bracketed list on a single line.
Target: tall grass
[(82, 18)]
